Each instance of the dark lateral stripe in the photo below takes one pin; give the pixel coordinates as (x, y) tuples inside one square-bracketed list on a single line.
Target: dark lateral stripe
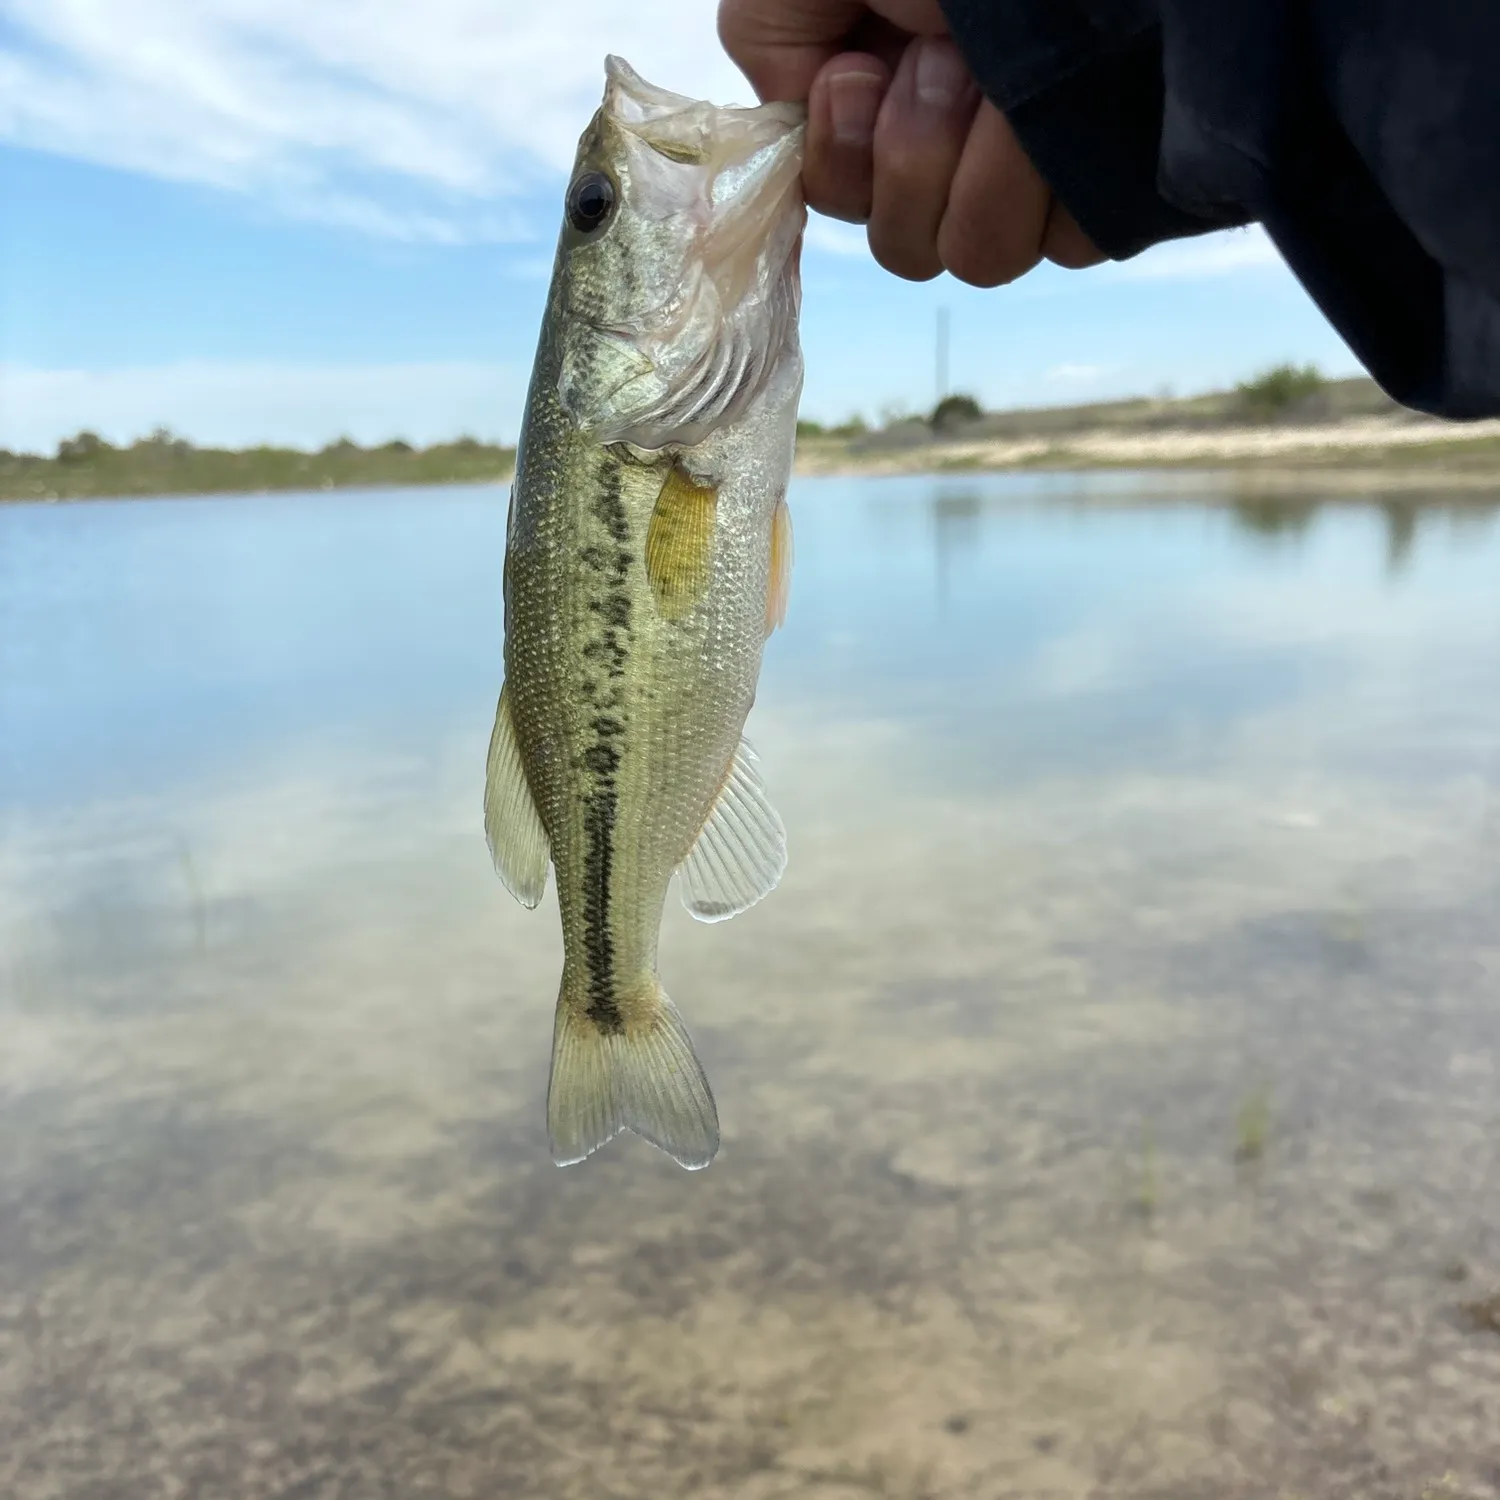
[(606, 653), (599, 944)]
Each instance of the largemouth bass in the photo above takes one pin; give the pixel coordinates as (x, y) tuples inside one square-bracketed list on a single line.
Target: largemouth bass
[(648, 557)]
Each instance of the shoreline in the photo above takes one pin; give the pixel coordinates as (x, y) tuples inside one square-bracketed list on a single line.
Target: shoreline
[(1166, 480), (1380, 454)]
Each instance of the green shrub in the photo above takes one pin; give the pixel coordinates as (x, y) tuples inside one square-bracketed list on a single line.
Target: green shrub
[(1273, 391), (951, 411), (851, 427), (85, 446)]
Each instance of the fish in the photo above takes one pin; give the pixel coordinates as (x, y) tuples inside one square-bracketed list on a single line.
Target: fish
[(648, 557)]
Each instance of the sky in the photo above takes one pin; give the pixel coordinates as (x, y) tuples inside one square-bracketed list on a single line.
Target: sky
[(277, 221)]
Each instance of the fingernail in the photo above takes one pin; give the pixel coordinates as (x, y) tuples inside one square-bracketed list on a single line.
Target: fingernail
[(941, 72), (854, 101)]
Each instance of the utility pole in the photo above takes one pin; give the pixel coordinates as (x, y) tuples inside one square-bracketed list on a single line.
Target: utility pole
[(942, 353)]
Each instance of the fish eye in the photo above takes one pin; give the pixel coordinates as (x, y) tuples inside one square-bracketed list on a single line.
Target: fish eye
[(591, 201)]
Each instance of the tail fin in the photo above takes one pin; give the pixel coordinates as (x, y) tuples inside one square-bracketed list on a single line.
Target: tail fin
[(646, 1078)]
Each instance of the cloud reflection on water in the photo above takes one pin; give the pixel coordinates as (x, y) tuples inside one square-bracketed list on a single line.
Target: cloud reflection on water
[(1105, 817)]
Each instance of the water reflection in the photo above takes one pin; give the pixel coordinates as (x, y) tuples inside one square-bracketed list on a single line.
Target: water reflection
[(1110, 1093), (1274, 515), (956, 532)]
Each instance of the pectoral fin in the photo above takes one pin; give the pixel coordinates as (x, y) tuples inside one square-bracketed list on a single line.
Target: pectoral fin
[(779, 588), (513, 828), (741, 852), (680, 543)]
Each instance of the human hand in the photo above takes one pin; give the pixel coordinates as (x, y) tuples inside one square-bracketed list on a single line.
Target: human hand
[(900, 137)]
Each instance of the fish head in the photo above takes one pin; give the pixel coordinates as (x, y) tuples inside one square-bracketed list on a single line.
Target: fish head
[(677, 285)]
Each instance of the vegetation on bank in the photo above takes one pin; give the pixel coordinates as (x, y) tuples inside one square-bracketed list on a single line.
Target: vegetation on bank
[(1288, 417), (1283, 394), (854, 427), (86, 467), (1280, 389), (957, 434), (953, 411)]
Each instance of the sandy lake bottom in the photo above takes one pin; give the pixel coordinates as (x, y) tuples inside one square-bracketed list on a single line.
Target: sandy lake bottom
[(1111, 1091)]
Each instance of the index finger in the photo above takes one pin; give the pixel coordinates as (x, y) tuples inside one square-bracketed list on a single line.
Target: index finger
[(780, 45)]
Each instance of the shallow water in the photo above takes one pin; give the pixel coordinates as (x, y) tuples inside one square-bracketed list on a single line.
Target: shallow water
[(1111, 1092)]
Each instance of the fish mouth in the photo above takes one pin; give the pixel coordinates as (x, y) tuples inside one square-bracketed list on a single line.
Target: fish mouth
[(637, 105), (752, 158), (723, 185)]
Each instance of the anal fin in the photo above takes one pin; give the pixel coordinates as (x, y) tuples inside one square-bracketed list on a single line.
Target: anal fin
[(741, 851), (512, 826)]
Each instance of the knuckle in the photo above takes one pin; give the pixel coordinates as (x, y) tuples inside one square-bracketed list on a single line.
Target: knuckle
[(967, 261), (899, 161), (909, 187), (838, 194), (980, 259), (902, 257)]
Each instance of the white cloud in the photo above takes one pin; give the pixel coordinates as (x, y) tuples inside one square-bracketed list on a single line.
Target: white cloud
[(340, 108), (1067, 374), (238, 404), (423, 122), (1220, 254)]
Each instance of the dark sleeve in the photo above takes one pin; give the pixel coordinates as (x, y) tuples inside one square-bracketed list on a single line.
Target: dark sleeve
[(1364, 135)]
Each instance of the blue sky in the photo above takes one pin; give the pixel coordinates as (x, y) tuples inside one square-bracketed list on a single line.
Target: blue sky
[(264, 220)]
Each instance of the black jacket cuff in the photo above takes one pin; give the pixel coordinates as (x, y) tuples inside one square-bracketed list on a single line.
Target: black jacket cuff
[(1091, 124)]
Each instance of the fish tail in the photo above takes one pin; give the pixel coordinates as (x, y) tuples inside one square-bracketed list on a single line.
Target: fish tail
[(638, 1073)]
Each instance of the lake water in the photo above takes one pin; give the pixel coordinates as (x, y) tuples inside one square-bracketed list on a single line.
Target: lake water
[(1111, 1092)]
